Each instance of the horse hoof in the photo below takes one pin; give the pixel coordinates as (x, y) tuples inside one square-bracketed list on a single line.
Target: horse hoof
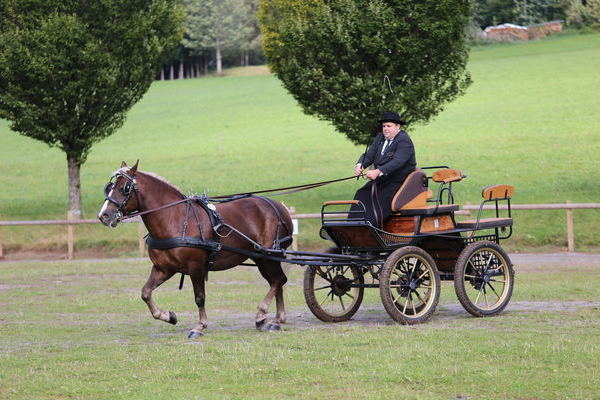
[(273, 328), (195, 334), (172, 318), (260, 324)]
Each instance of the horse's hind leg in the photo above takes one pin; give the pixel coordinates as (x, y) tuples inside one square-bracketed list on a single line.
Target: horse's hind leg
[(156, 278), (272, 272)]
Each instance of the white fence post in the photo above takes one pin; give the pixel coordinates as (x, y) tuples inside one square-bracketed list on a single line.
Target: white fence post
[(1, 249), (570, 232), (70, 236)]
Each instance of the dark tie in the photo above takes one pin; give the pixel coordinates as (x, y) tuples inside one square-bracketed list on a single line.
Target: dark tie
[(385, 145)]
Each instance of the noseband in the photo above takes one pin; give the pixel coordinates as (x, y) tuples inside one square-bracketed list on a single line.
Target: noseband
[(127, 191)]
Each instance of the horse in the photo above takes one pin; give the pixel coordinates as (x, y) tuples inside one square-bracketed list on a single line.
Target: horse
[(246, 224)]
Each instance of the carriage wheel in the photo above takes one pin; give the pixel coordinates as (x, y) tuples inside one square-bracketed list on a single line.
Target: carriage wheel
[(483, 278), (409, 284), (333, 294)]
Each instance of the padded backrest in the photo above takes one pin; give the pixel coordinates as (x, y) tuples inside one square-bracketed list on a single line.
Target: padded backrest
[(447, 175), (498, 192), (413, 193)]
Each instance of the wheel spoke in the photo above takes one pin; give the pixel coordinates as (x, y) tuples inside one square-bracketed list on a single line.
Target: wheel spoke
[(473, 266), (349, 295), (397, 298), (323, 287), (493, 290), (405, 305), (489, 261), (422, 275), (342, 303), (413, 305), (487, 304), (420, 298), (412, 272), (478, 294), (326, 297)]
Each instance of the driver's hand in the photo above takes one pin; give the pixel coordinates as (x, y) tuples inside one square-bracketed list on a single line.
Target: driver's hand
[(373, 174), (358, 170)]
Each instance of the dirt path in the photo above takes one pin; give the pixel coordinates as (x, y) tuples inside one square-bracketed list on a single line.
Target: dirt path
[(566, 259), (524, 259)]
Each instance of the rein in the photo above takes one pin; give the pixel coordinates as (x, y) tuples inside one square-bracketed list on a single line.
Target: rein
[(297, 188), (286, 190)]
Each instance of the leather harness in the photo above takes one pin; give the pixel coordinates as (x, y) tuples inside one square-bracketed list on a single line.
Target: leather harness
[(214, 246)]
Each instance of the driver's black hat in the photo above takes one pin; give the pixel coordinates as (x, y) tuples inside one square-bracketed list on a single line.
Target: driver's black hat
[(390, 116)]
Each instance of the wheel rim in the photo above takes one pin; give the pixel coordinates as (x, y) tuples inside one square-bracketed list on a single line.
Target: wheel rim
[(487, 279), (412, 286), (336, 289)]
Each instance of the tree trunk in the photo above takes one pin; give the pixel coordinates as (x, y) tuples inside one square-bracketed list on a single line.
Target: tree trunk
[(73, 167), (181, 73), (218, 56)]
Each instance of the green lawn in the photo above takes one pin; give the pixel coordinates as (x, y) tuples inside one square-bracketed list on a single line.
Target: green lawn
[(79, 330), (531, 119)]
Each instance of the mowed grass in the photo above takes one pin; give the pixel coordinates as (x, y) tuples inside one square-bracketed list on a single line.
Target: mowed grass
[(531, 119), (78, 330)]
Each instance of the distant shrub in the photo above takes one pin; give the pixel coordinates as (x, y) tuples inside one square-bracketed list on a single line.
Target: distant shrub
[(580, 15)]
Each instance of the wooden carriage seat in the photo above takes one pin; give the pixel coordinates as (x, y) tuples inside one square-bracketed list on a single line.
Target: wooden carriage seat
[(411, 198), (447, 175), (491, 193)]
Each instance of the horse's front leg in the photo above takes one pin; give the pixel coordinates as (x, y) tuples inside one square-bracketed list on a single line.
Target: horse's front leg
[(200, 298), (156, 278)]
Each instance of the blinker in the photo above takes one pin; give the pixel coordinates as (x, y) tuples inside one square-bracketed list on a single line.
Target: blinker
[(108, 187)]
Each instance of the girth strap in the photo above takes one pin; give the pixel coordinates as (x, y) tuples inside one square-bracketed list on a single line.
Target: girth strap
[(186, 241)]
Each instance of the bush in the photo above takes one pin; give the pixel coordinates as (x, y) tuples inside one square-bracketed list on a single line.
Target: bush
[(584, 16)]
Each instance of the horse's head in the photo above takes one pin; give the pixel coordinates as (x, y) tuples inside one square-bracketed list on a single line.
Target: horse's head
[(120, 194)]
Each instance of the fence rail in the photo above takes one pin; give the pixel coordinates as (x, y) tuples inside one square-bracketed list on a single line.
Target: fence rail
[(70, 222)]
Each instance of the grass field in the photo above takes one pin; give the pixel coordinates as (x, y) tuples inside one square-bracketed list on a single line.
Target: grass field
[(532, 119), (79, 330)]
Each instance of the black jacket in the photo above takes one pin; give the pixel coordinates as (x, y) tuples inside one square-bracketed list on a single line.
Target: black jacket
[(398, 160)]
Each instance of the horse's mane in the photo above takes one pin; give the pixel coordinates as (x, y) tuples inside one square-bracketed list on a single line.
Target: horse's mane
[(158, 178)]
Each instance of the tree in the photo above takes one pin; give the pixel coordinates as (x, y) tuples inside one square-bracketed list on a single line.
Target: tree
[(522, 12), (346, 61), (584, 14), (219, 25), (71, 69)]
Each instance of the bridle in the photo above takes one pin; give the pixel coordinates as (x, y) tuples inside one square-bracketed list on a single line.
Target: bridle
[(128, 190)]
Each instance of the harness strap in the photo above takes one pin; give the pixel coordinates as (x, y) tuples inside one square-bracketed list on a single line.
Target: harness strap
[(277, 241), (186, 241)]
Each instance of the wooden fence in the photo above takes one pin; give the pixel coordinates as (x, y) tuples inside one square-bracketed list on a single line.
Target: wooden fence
[(466, 210)]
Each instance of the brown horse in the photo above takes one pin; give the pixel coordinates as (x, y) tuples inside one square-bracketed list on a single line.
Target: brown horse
[(168, 213)]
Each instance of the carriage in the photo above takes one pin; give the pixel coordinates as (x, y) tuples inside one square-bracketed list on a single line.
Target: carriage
[(418, 246)]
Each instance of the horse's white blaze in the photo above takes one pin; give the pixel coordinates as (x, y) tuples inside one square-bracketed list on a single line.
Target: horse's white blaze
[(105, 205), (103, 209)]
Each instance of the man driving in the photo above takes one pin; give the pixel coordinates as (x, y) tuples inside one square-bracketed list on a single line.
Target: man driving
[(392, 156)]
